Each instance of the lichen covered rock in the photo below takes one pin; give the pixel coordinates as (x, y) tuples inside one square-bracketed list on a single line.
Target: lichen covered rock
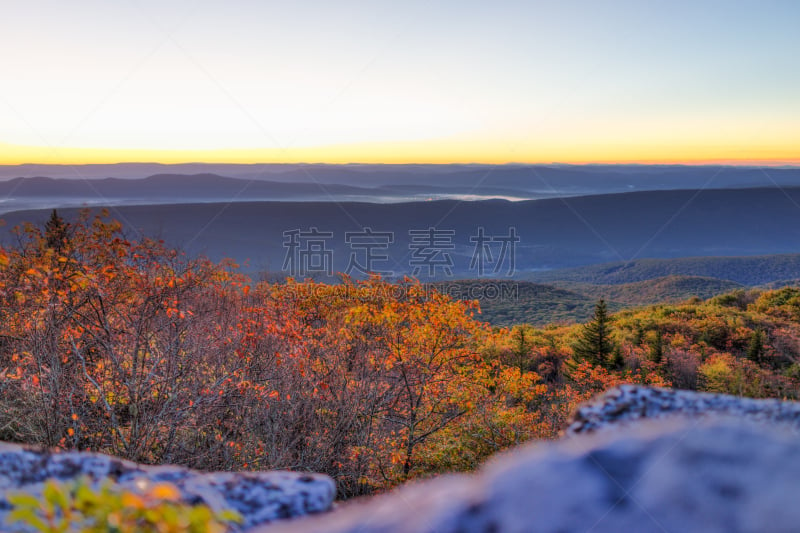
[(258, 497), (629, 403)]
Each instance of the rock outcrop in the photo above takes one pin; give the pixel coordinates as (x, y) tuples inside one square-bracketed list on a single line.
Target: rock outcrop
[(629, 403), (707, 471), (258, 497)]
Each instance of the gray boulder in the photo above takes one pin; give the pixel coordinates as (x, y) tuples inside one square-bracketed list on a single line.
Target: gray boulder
[(714, 473), (259, 497), (629, 403)]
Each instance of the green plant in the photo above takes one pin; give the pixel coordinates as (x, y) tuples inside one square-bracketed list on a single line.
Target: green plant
[(78, 507), (594, 344)]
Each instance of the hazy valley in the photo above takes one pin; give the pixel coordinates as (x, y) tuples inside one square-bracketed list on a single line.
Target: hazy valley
[(582, 234)]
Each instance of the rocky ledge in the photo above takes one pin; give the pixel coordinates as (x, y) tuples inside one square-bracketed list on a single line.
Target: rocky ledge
[(258, 497), (629, 403)]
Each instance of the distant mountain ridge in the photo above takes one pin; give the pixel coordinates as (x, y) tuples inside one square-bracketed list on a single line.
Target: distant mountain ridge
[(525, 180), (166, 186), (553, 233), (768, 270), (22, 193)]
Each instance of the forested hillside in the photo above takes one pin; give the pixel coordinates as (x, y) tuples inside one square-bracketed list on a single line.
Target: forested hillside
[(753, 270), (669, 289), (507, 303), (133, 349), (510, 302)]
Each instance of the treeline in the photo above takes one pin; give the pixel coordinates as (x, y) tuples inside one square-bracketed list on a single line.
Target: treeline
[(133, 349), (747, 270), (510, 302), (505, 302), (745, 343)]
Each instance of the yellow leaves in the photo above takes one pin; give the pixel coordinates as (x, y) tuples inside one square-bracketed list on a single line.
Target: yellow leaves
[(718, 373), (111, 398), (81, 507), (132, 501), (141, 326), (79, 283)]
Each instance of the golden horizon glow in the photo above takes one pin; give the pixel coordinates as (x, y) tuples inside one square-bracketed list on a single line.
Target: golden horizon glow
[(422, 152)]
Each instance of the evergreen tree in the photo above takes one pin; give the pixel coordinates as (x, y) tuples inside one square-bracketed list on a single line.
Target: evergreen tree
[(657, 347), (617, 359), (638, 333), (756, 350), (521, 348), (56, 232), (595, 345)]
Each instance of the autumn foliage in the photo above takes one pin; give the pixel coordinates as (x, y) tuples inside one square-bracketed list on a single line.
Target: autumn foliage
[(131, 348)]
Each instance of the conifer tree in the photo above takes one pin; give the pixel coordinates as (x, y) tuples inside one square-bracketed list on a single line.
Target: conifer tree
[(657, 347), (756, 349), (595, 345), (56, 232), (617, 359), (521, 348)]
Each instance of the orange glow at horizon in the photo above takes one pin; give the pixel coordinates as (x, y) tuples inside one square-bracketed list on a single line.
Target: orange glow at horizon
[(429, 152)]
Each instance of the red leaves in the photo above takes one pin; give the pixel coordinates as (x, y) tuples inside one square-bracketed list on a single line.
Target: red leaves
[(133, 349)]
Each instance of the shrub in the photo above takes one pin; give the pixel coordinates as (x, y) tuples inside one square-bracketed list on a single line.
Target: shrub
[(78, 507)]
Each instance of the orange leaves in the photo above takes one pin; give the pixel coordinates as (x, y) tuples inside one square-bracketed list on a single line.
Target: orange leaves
[(172, 312), (145, 352)]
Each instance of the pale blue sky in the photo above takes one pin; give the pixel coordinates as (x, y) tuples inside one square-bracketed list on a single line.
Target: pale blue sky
[(521, 77)]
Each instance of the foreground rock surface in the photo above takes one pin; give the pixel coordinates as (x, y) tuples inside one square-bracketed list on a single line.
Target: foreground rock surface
[(678, 474), (258, 497), (630, 403)]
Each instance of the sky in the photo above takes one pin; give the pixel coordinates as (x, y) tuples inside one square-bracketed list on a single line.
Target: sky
[(600, 81)]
